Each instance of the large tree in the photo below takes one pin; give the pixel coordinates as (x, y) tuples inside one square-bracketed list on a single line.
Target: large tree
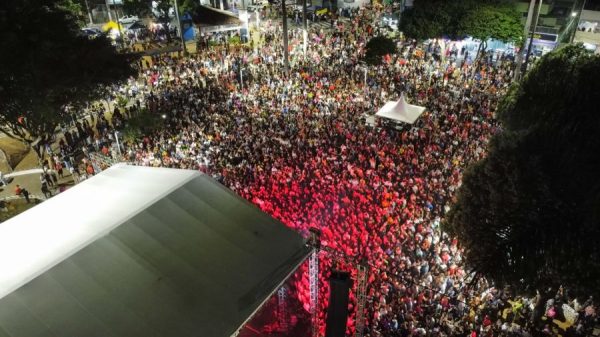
[(482, 19), (46, 65), (528, 214), (76, 8), (377, 48), (500, 21), (188, 6), (428, 19)]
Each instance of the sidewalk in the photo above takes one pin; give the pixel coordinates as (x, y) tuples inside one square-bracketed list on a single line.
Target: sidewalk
[(30, 180)]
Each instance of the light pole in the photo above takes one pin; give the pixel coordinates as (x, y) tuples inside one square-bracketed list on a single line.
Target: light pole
[(179, 27), (286, 56), (304, 27), (120, 29), (242, 78), (537, 18), (519, 58), (577, 21), (108, 10), (87, 7), (118, 144)]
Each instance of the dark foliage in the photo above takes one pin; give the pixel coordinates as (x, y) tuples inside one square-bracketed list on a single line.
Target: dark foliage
[(529, 214), (46, 65), (481, 19), (378, 47)]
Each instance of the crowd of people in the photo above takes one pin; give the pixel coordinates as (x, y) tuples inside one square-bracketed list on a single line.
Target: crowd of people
[(296, 144)]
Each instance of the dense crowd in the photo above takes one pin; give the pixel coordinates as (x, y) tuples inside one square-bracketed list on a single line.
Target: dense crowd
[(298, 146)]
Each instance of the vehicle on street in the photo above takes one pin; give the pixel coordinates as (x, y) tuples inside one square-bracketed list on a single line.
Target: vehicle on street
[(254, 8), (91, 32), (127, 19), (260, 3)]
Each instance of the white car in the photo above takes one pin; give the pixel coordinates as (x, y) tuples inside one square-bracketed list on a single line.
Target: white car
[(127, 19), (254, 8)]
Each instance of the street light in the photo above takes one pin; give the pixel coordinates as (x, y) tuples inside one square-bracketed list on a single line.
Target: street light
[(179, 27), (108, 9), (537, 18), (242, 79), (578, 20), (520, 54), (118, 144)]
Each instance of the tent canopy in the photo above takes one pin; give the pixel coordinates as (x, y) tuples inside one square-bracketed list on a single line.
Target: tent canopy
[(138, 251), (136, 26), (111, 25), (400, 111)]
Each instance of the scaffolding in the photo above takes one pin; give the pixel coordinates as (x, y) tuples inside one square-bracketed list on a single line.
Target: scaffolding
[(313, 274), (282, 313), (361, 299), (100, 162)]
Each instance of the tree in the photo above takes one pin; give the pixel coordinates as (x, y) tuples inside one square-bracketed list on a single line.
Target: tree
[(499, 21), (46, 66), (76, 10), (378, 47), (188, 6), (426, 19), (528, 213)]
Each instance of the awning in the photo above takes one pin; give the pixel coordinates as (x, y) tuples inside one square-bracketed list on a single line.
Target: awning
[(141, 252), (111, 25), (207, 16), (400, 111)]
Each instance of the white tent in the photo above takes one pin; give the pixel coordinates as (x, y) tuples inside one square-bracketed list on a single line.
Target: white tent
[(400, 111)]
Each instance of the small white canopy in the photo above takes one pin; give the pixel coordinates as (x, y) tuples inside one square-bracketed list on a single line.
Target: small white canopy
[(400, 111)]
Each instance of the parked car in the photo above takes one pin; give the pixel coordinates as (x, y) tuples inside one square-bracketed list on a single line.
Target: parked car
[(91, 32), (127, 19), (254, 8)]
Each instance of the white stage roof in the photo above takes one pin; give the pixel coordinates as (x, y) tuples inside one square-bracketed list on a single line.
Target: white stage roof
[(139, 251), (36, 240), (400, 111)]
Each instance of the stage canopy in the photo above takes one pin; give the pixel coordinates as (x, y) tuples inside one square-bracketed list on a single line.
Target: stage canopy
[(400, 111), (138, 251)]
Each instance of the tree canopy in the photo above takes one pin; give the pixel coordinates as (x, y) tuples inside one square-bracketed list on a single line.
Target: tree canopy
[(377, 47), (528, 214), (76, 9), (46, 65), (481, 19), (188, 6), (161, 8), (487, 21)]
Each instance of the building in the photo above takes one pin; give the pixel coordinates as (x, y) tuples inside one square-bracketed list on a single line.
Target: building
[(588, 31), (557, 23)]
